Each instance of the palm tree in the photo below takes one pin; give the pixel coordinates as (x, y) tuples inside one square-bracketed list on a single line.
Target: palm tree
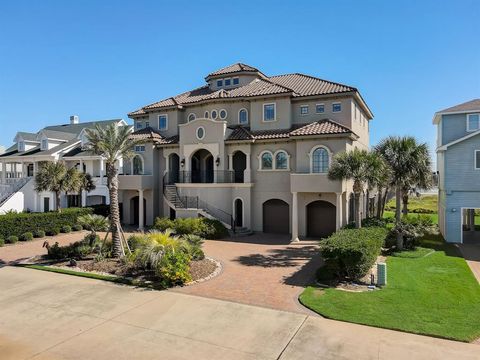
[(113, 143), (57, 178), (356, 165), (410, 166), (93, 223)]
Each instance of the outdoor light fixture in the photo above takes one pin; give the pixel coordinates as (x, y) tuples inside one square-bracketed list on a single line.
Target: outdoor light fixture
[(217, 161), (182, 163), (454, 210)]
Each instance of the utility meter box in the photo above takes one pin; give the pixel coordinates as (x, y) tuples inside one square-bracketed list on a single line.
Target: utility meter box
[(381, 274)]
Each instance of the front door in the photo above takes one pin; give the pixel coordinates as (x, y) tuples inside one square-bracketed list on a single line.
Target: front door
[(238, 213), (46, 204)]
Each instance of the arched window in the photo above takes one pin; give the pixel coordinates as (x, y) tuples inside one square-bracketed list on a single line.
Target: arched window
[(320, 160), (207, 114), (214, 114), (137, 165), (281, 160), (191, 117), (243, 116), (266, 161)]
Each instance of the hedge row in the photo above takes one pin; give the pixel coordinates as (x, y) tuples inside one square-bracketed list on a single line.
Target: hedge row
[(50, 222), (350, 253), (201, 226)]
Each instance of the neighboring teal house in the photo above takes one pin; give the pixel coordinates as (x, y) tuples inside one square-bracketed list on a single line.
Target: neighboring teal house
[(458, 165)]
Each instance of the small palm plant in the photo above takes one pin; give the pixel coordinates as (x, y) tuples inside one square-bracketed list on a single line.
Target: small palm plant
[(93, 223), (113, 143), (158, 244), (57, 178)]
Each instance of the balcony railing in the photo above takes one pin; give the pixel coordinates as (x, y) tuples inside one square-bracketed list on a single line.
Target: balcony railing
[(201, 177)]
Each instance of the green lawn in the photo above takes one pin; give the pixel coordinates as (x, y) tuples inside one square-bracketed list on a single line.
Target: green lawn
[(391, 214), (428, 202), (431, 293)]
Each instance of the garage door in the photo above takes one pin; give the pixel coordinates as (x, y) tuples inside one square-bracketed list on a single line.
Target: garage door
[(276, 217), (320, 219)]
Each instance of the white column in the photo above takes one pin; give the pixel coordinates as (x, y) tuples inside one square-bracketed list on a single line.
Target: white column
[(339, 221), (230, 162), (101, 171), (247, 174), (84, 198), (167, 163), (35, 195), (81, 166), (141, 221), (120, 166), (294, 217), (4, 171)]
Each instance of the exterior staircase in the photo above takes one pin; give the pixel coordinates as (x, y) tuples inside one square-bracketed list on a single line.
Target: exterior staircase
[(241, 232), (10, 187)]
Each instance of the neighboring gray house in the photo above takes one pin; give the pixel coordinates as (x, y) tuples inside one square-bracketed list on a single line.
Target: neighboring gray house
[(458, 164)]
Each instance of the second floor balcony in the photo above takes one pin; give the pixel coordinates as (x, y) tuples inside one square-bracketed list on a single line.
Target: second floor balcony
[(314, 182), (202, 177)]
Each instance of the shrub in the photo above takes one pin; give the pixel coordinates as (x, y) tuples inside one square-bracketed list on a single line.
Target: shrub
[(413, 228), (174, 269), (76, 250), (2, 242), (137, 241), (26, 237), (66, 229), (350, 253), (100, 209), (12, 239), (39, 234), (162, 224), (77, 227), (18, 224), (203, 227), (53, 231), (374, 222)]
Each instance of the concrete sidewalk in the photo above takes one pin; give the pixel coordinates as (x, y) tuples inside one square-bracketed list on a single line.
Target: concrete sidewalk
[(52, 316)]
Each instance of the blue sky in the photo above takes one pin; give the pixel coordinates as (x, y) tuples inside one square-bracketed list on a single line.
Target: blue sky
[(102, 59)]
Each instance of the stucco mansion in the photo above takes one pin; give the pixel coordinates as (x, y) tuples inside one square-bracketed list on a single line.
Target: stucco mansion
[(248, 149)]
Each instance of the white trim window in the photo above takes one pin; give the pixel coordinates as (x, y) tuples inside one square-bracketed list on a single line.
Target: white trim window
[(21, 146), (219, 82), (243, 116), (147, 124), (319, 160), (140, 148), (269, 112), (236, 81), (200, 133), (163, 122), (319, 108), (336, 107), (477, 160), (473, 122), (44, 145), (228, 81), (282, 160), (191, 117), (266, 160), (138, 125), (303, 110), (222, 114), (214, 114)]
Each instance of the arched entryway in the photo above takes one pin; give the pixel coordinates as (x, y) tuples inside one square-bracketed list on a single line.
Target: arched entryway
[(321, 219), (239, 165), (202, 167), (173, 168), (135, 211), (276, 217), (238, 207)]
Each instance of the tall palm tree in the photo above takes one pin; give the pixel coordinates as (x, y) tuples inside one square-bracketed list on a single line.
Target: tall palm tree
[(410, 166), (113, 143), (356, 165), (57, 178)]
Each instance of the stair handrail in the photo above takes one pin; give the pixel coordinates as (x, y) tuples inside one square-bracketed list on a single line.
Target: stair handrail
[(13, 188)]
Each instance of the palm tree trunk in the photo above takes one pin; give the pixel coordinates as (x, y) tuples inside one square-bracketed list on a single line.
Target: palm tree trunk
[(384, 201), (379, 203), (358, 222), (405, 203), (114, 210), (57, 201), (398, 216)]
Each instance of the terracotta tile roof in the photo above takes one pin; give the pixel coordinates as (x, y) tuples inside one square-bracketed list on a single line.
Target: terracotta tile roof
[(321, 127), (472, 105), (238, 67), (295, 84), (150, 135), (305, 85)]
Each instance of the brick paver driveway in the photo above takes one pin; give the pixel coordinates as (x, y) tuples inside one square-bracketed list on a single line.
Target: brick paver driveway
[(263, 270)]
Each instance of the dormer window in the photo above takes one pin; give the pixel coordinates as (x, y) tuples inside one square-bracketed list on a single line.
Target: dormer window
[(236, 81), (138, 125), (473, 122), (228, 82), (220, 83), (21, 146), (147, 124), (44, 145), (191, 117)]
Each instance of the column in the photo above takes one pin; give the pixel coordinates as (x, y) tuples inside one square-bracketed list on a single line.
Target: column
[(472, 219), (294, 217), (84, 198), (4, 171), (339, 222), (167, 164), (81, 166), (141, 215), (230, 162), (247, 174), (120, 166), (35, 195), (101, 171)]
